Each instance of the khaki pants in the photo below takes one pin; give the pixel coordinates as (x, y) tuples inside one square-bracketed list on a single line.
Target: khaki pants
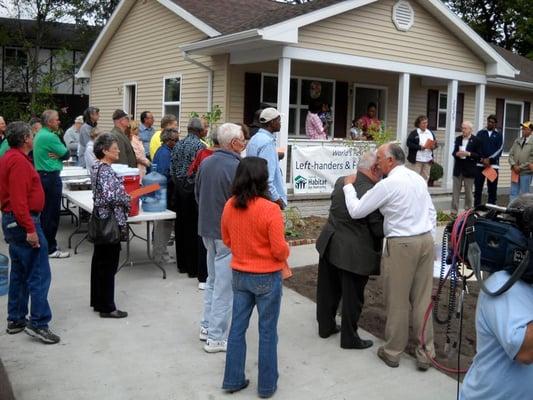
[(408, 282), (457, 184), (421, 168)]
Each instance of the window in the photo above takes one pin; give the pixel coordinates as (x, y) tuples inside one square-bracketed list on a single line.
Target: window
[(443, 105), (366, 94), (16, 57), (172, 95), (512, 120), (302, 92), (130, 99)]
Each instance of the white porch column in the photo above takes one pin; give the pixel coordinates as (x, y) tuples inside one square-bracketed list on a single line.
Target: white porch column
[(479, 119), (451, 116), (403, 108), (284, 81)]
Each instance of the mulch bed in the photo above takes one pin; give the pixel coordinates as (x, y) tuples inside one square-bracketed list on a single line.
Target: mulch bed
[(373, 316), (307, 230)]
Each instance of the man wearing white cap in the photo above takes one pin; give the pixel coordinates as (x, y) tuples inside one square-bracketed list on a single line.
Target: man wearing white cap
[(263, 144)]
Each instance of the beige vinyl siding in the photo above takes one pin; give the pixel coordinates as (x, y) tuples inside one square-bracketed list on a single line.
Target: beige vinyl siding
[(319, 71), (369, 31), (144, 50)]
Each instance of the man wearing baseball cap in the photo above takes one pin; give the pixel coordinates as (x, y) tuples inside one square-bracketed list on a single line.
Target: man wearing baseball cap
[(521, 161), (263, 144), (121, 121)]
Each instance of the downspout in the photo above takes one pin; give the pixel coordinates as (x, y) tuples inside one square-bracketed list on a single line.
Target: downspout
[(210, 76)]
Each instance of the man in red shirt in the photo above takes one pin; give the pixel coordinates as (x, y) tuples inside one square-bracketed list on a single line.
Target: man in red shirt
[(21, 202)]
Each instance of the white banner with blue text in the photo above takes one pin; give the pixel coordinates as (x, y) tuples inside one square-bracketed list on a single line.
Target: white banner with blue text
[(315, 169)]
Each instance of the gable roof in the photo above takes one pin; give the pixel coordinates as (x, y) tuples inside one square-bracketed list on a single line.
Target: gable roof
[(228, 22), (525, 65), (232, 16)]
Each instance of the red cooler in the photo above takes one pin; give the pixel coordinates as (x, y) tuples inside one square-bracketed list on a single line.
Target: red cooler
[(132, 181)]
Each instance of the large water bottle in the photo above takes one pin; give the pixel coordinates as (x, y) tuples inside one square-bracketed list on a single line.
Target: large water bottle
[(155, 201), (4, 275)]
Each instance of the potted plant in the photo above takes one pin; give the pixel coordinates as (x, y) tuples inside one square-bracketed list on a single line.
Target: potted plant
[(435, 173)]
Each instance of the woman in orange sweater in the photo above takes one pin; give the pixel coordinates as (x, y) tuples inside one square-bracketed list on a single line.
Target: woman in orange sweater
[(252, 227)]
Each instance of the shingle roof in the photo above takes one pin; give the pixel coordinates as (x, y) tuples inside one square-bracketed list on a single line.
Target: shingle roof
[(523, 64), (231, 16)]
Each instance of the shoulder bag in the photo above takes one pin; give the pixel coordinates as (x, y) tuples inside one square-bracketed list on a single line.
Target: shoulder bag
[(102, 230)]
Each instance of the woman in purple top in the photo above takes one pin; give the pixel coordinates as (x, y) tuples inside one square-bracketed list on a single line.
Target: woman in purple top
[(109, 197)]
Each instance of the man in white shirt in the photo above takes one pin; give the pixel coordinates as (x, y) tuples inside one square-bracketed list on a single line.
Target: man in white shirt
[(409, 226)]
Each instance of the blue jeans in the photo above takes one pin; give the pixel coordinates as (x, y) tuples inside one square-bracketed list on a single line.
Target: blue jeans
[(218, 296), (263, 290), (53, 188), (521, 187), (29, 276)]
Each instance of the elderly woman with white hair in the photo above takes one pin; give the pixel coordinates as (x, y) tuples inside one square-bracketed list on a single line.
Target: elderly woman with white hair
[(72, 137), (466, 153)]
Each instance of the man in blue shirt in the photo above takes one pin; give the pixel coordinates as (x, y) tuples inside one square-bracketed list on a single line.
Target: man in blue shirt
[(502, 366), (263, 144), (146, 130), (491, 150)]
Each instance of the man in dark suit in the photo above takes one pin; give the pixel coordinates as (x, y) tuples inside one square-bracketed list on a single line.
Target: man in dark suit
[(466, 152), (350, 251)]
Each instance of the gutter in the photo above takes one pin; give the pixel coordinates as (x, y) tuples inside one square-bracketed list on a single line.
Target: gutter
[(210, 77), (510, 83)]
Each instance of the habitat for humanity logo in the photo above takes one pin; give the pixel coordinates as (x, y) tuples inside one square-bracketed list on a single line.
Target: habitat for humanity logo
[(300, 182)]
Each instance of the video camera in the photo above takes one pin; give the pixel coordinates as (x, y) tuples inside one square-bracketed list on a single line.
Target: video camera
[(492, 238)]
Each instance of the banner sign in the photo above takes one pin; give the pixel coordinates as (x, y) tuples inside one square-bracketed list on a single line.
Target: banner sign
[(315, 169)]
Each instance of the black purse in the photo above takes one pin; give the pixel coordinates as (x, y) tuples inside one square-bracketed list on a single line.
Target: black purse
[(103, 230)]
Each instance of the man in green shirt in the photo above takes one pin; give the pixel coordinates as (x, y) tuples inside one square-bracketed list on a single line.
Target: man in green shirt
[(48, 153), (121, 120)]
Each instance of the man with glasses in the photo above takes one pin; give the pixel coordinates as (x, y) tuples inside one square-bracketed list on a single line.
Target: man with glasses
[(22, 199)]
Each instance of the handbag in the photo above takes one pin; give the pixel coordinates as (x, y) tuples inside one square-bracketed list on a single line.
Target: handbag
[(103, 230)]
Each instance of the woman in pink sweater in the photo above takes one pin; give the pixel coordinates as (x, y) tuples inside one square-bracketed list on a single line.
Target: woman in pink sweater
[(252, 227)]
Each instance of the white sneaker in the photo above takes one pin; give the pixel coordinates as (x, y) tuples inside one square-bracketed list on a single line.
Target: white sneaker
[(215, 346), (59, 254), (203, 334), (201, 285)]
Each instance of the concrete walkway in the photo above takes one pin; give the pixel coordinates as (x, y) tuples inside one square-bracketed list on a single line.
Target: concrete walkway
[(155, 352)]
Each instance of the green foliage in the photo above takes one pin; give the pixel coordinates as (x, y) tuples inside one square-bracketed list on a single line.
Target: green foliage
[(443, 217), (212, 117), (436, 172), (293, 221), (507, 23)]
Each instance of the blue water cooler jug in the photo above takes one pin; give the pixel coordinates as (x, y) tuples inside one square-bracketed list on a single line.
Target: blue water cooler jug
[(4, 275), (155, 201)]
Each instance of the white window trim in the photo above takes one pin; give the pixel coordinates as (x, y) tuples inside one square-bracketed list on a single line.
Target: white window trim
[(298, 107), (521, 104), (439, 110), (125, 100), (386, 101), (172, 103)]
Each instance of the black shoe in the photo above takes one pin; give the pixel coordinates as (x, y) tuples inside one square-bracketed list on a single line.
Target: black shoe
[(325, 335), (267, 395), (358, 344), (15, 327), (45, 335), (243, 386), (114, 314)]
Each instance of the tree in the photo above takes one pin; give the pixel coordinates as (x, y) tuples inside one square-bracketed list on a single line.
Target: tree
[(93, 12), (506, 23)]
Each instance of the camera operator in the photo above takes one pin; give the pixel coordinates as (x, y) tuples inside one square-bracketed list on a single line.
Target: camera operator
[(502, 366)]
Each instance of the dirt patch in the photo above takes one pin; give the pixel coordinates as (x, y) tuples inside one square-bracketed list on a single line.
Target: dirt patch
[(306, 228), (373, 316)]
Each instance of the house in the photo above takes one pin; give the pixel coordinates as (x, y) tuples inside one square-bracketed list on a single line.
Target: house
[(411, 57), (63, 48)]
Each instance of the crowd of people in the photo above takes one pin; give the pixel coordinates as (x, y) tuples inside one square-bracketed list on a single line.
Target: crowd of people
[(229, 228)]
